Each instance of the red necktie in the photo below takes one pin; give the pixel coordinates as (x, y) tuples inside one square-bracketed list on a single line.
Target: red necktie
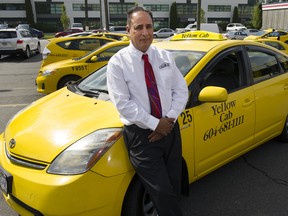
[(152, 89)]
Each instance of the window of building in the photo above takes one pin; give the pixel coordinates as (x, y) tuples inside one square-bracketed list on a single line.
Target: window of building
[(48, 8), (219, 8), (157, 7), (12, 7), (118, 8), (187, 9), (246, 10), (81, 7)]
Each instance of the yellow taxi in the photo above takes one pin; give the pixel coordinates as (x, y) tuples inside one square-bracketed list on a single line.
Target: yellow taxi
[(63, 48), (271, 34), (283, 47), (57, 75), (65, 155)]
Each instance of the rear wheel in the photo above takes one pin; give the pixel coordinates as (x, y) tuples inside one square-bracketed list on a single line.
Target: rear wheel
[(284, 135), (38, 48), (67, 80), (27, 52), (137, 201)]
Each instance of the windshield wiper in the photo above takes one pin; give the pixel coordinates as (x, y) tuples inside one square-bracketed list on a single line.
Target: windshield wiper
[(98, 90)]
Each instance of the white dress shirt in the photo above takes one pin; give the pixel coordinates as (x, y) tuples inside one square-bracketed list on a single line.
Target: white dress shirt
[(128, 91)]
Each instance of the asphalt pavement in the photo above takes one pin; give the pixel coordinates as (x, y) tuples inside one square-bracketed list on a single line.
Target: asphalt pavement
[(255, 184)]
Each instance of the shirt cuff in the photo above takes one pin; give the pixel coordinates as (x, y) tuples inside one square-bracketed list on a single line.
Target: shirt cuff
[(152, 122)]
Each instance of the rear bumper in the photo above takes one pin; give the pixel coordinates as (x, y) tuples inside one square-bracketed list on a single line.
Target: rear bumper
[(9, 52)]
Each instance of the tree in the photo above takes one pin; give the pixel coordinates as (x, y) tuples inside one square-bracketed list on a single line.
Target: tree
[(173, 16), (256, 20), (64, 18), (235, 18), (202, 16), (29, 13)]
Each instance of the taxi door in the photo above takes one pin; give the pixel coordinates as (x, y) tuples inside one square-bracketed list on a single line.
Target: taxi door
[(271, 92), (214, 133)]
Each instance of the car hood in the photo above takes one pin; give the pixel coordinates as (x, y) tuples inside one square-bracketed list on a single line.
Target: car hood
[(59, 64), (48, 126)]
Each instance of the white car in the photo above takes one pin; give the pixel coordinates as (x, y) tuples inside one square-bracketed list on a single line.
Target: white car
[(18, 41), (164, 33), (235, 27)]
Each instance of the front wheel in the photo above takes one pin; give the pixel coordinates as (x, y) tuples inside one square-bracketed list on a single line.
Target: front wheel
[(283, 137), (67, 80), (137, 201)]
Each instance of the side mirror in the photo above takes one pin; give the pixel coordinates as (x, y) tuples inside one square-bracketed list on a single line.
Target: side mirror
[(213, 94), (94, 59)]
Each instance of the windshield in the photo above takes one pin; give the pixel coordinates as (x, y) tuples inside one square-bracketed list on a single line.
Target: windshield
[(94, 85)]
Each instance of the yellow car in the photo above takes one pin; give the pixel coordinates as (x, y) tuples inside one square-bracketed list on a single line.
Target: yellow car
[(65, 155), (283, 47), (63, 48), (271, 34), (57, 75)]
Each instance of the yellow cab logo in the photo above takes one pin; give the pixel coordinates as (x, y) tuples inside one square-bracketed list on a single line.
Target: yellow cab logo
[(200, 35)]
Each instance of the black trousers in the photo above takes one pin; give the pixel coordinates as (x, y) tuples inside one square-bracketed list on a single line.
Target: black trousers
[(158, 165)]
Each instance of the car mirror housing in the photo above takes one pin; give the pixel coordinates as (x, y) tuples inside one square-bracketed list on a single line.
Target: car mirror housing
[(213, 94)]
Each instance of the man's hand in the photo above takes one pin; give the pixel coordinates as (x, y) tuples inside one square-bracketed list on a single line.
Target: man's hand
[(165, 126)]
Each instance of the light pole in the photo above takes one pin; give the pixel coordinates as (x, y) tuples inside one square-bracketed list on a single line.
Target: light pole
[(198, 14)]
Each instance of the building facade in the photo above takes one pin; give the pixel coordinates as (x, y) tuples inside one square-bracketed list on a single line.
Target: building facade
[(47, 13), (275, 14)]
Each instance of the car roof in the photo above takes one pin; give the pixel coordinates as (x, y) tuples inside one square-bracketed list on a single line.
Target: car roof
[(200, 43)]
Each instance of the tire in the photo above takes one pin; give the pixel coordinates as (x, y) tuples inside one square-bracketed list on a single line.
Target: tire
[(283, 137), (38, 50), (27, 52), (64, 81), (137, 201)]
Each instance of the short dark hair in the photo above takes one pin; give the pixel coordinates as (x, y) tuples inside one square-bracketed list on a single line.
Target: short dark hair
[(136, 9)]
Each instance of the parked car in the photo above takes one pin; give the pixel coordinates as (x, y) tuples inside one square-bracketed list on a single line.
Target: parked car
[(18, 41), (59, 74), (65, 154), (236, 35), (235, 27), (3, 26), (271, 34), (77, 26), (67, 32), (33, 31), (283, 47), (119, 29), (23, 26), (63, 48), (164, 33)]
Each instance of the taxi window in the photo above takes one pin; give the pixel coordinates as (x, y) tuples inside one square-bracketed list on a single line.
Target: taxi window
[(107, 54), (275, 45), (185, 60), (283, 62), (88, 44), (263, 65)]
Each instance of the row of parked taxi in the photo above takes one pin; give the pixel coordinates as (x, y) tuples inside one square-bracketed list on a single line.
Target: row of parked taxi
[(65, 154)]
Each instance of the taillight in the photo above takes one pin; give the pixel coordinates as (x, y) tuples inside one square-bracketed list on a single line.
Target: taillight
[(19, 41)]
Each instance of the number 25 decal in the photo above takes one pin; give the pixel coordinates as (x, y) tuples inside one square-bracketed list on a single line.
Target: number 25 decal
[(187, 117)]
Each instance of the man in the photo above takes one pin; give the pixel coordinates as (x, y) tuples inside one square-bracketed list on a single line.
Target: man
[(151, 130)]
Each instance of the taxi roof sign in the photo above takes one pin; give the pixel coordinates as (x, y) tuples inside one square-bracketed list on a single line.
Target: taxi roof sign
[(198, 35)]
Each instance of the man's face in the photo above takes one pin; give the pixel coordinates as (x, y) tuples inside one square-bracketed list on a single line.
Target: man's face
[(141, 30)]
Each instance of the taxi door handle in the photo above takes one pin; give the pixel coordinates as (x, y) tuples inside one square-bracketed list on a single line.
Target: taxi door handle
[(285, 87), (247, 102)]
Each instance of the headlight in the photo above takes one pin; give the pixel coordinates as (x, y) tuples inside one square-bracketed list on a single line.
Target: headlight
[(84, 153), (48, 72)]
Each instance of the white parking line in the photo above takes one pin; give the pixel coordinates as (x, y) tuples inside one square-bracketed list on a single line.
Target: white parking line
[(12, 105)]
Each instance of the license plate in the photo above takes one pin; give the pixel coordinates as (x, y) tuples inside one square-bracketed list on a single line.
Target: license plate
[(5, 181)]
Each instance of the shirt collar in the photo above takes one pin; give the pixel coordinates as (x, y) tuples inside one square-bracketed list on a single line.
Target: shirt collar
[(139, 53)]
